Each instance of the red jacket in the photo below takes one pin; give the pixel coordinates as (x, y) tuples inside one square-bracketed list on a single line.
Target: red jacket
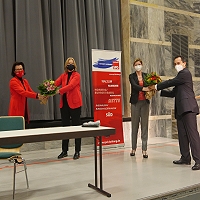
[(18, 97), (72, 90)]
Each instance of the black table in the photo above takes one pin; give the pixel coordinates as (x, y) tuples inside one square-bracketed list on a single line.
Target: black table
[(60, 133)]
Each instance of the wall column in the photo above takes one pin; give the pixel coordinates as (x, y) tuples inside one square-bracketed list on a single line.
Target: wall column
[(126, 67)]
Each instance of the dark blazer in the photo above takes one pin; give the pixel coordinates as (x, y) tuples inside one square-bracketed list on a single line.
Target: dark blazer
[(135, 87), (183, 92)]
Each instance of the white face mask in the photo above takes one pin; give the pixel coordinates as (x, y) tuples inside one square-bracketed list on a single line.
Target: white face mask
[(178, 68), (138, 67)]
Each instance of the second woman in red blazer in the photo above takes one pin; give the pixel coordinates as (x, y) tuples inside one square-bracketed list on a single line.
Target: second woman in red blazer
[(70, 103)]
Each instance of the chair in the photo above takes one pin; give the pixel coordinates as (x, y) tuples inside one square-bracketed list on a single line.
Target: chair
[(12, 152)]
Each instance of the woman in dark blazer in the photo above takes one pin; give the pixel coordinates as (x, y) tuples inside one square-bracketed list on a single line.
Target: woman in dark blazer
[(139, 107), (70, 103)]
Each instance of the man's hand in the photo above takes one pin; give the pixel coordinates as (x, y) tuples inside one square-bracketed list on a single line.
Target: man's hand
[(197, 97), (152, 87)]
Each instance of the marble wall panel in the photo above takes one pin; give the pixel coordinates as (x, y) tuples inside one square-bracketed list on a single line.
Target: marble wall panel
[(196, 85), (169, 68), (151, 54), (140, 50), (138, 21), (157, 2), (196, 30), (157, 128), (178, 24), (156, 30), (161, 105), (160, 128), (194, 68), (156, 59), (186, 5), (182, 23), (190, 63), (196, 62), (153, 60), (196, 7)]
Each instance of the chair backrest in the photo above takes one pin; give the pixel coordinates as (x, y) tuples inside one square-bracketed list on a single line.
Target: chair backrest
[(8, 123)]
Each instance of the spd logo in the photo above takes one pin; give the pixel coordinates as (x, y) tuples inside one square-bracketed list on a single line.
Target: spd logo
[(115, 65), (109, 114)]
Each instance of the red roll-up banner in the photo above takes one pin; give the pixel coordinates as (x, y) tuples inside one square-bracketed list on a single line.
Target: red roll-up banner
[(106, 79)]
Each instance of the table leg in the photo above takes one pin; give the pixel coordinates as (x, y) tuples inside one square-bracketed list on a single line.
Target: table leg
[(95, 187)]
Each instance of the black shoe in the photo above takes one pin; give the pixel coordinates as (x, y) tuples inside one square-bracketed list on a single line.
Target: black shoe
[(196, 167), (145, 155), (76, 156), (132, 154), (62, 155), (181, 162)]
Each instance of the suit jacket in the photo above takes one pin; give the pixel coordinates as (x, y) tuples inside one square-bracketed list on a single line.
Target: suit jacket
[(135, 87), (18, 95), (183, 92), (71, 90)]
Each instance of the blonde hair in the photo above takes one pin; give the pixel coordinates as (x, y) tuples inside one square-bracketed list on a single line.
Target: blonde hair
[(67, 63), (136, 60)]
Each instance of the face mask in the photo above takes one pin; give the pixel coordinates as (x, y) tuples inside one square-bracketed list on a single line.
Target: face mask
[(178, 68), (19, 73), (138, 67), (70, 67)]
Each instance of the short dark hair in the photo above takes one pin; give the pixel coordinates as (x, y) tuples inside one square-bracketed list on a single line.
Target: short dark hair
[(182, 58), (15, 64)]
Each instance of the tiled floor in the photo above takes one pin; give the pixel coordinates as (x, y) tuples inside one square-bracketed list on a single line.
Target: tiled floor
[(125, 177)]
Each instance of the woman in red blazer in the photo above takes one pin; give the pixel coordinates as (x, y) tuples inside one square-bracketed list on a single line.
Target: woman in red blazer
[(70, 103), (20, 90)]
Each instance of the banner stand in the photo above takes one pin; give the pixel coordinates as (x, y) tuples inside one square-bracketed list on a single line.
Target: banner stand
[(106, 81)]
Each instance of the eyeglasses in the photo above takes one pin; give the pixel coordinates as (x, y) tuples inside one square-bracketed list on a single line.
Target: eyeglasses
[(19, 69)]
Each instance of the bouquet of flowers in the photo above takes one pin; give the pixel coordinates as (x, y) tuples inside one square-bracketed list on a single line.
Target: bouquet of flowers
[(47, 88), (151, 79)]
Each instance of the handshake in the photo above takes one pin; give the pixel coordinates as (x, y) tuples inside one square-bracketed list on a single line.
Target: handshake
[(149, 88), (149, 91), (42, 97)]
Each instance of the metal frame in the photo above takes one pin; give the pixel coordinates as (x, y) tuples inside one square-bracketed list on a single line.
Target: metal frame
[(18, 160), (95, 187), (57, 133)]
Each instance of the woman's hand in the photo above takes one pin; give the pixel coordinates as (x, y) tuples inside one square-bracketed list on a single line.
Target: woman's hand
[(41, 97), (57, 92), (145, 89)]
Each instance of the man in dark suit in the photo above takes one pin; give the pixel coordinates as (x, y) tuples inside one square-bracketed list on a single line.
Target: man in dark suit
[(186, 109)]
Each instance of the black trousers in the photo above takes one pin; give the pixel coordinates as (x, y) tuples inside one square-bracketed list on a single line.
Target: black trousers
[(69, 115), (188, 137)]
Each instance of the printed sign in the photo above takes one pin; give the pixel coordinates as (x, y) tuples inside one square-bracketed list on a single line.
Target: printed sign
[(106, 77)]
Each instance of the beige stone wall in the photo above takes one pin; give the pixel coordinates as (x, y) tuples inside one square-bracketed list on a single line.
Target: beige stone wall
[(126, 70), (147, 27)]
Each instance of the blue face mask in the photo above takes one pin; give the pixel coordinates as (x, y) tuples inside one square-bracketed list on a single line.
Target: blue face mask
[(70, 67)]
